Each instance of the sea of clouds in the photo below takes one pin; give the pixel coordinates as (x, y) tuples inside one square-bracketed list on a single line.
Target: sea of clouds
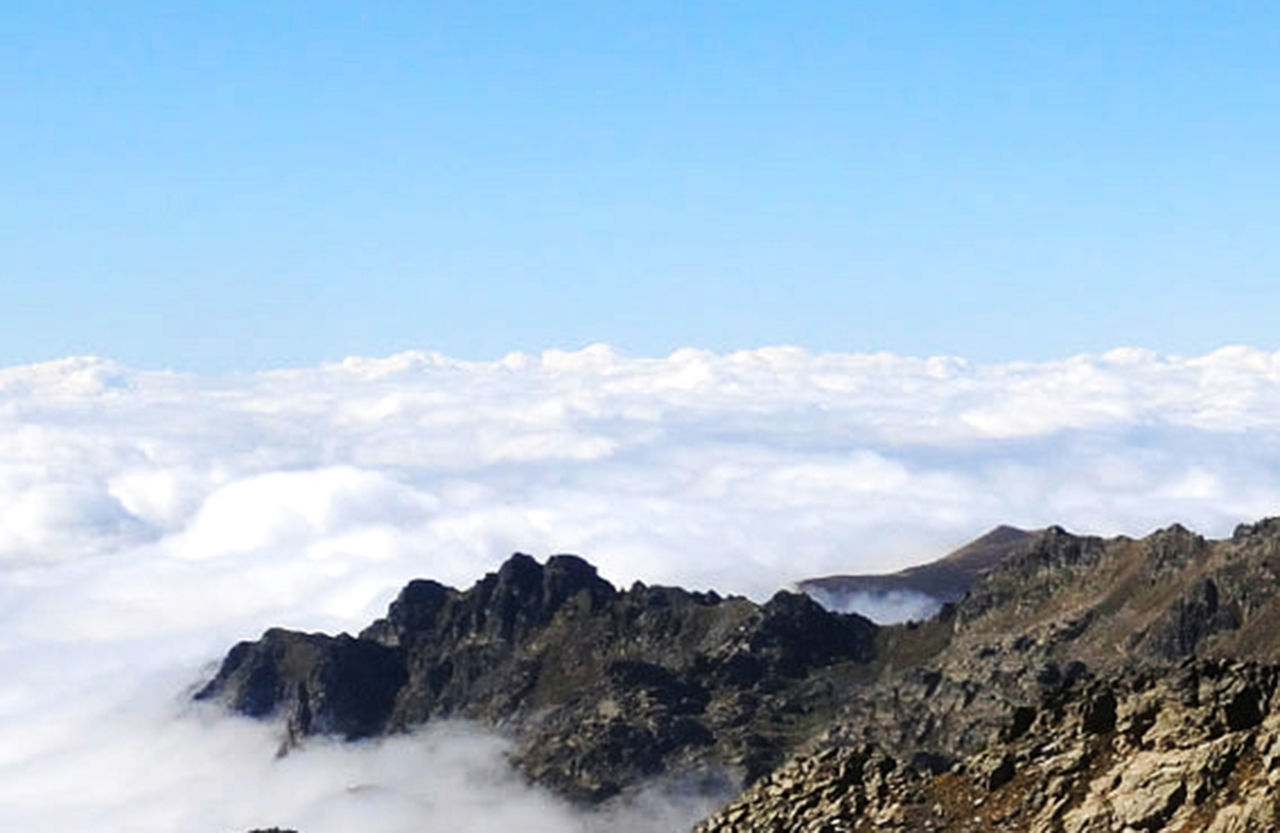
[(148, 520)]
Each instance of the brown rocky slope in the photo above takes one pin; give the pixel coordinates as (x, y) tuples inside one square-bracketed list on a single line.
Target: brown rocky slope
[(1082, 684)]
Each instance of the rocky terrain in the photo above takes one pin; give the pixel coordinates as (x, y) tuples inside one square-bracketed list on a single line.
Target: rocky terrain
[(1081, 684), (1193, 749), (600, 688)]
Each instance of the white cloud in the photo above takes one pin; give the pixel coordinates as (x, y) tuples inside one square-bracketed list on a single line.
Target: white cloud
[(890, 606), (148, 520), (299, 509)]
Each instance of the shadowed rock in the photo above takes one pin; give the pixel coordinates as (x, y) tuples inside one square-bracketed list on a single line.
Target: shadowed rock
[(1079, 684), (600, 688)]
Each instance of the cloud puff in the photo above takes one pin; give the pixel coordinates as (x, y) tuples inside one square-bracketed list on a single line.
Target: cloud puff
[(885, 608), (148, 520)]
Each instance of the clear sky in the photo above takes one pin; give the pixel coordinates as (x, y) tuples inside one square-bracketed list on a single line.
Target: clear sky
[(241, 185)]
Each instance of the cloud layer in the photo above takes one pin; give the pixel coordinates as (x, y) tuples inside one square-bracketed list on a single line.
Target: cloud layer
[(148, 520)]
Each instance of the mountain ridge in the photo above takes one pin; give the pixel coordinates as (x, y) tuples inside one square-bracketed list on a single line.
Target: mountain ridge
[(1130, 656), (600, 687), (943, 580)]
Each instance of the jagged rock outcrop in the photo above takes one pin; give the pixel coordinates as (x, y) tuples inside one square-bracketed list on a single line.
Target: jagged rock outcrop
[(599, 688), (1081, 684), (1196, 748)]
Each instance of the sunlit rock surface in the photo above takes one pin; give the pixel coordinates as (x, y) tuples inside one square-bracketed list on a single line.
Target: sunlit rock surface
[(1081, 684)]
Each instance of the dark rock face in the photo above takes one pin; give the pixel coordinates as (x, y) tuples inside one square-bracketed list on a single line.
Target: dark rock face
[(337, 685), (1190, 621), (600, 688), (1081, 684)]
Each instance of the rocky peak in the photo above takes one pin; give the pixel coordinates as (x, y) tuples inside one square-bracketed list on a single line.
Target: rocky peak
[(416, 610), (1054, 548), (798, 633), (522, 595), (565, 576), (510, 598), (599, 687), (336, 685), (1082, 684), (944, 581), (1266, 528)]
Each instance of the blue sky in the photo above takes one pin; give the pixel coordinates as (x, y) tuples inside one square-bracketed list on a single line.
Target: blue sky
[(224, 186)]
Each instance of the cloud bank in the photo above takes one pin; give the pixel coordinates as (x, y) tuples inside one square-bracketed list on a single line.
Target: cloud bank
[(150, 519)]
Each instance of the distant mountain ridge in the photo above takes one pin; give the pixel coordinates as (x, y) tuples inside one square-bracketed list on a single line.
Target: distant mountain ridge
[(945, 580), (1081, 684)]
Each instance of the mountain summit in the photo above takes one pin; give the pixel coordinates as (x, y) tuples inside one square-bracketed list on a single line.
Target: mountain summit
[(1079, 684), (922, 589), (601, 688)]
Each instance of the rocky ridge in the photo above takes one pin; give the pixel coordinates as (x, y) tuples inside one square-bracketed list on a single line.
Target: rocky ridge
[(1081, 684), (947, 579), (599, 688), (1197, 749)]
